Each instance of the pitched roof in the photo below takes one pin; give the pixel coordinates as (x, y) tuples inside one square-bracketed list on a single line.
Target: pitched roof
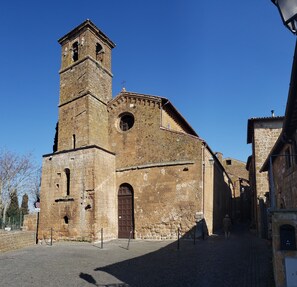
[(164, 103), (251, 121), (87, 24)]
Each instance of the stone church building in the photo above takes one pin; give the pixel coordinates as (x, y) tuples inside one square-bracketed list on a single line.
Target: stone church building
[(124, 166)]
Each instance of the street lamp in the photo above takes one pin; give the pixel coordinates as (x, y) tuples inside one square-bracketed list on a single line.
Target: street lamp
[(288, 12)]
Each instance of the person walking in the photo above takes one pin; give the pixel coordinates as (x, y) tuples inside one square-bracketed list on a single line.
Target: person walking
[(227, 226)]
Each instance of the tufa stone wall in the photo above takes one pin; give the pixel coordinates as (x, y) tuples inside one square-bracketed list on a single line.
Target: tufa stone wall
[(161, 165), (106, 145), (235, 168), (83, 122), (165, 198), (169, 122), (146, 142), (217, 191), (30, 222), (87, 38), (265, 136), (85, 88), (85, 77), (285, 178), (207, 189), (284, 174), (279, 218), (90, 203), (12, 240), (252, 178), (239, 175), (222, 195)]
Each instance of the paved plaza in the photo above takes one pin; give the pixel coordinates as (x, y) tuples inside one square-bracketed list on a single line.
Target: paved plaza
[(243, 260)]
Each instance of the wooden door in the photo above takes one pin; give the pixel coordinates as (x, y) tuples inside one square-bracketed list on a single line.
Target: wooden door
[(125, 211)]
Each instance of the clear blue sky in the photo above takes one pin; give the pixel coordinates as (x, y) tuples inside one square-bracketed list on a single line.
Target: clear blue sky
[(219, 62)]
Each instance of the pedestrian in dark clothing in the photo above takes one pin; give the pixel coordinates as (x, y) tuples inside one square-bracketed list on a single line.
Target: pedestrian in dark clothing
[(227, 226)]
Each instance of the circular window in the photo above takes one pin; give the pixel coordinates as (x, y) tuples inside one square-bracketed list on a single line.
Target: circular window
[(126, 121)]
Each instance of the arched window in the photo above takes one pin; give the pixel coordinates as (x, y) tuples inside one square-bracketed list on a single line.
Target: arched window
[(99, 52), (66, 219), (75, 51), (67, 173)]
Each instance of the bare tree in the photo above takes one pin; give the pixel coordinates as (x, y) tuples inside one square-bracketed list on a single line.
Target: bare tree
[(16, 176), (36, 183)]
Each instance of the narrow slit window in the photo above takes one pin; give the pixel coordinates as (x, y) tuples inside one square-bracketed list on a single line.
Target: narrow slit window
[(67, 173), (99, 52), (74, 141), (75, 51)]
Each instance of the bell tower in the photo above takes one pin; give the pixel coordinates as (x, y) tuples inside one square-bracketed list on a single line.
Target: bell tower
[(78, 188), (85, 88)]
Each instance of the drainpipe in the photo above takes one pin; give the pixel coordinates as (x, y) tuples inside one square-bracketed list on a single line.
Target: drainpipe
[(203, 176), (271, 183)]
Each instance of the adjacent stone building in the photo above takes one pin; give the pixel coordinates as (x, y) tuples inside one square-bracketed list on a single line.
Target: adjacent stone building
[(128, 166), (242, 196), (262, 133), (281, 165)]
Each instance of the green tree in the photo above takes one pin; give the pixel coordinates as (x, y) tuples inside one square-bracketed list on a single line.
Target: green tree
[(17, 173), (24, 206), (13, 211), (55, 146)]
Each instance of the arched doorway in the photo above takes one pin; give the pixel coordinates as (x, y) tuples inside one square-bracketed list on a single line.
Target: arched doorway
[(125, 211)]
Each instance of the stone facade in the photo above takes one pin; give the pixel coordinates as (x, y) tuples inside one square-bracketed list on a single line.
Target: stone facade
[(281, 218), (80, 210), (250, 167), (85, 88), (284, 174), (281, 165), (127, 166), (262, 134), (13, 240), (161, 164), (242, 196), (30, 222)]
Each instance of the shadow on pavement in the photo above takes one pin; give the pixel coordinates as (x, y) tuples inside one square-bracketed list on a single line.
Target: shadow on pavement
[(211, 262), (87, 277)]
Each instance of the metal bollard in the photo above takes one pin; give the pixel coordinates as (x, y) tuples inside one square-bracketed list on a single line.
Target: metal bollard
[(51, 236), (129, 239), (37, 228), (203, 233), (101, 238)]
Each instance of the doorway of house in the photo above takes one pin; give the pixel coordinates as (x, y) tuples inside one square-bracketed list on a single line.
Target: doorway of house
[(125, 211)]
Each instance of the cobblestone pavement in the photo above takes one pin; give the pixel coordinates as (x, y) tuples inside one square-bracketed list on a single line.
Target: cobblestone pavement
[(243, 260)]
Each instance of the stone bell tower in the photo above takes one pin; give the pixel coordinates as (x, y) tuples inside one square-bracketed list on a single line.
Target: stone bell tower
[(85, 88), (78, 193)]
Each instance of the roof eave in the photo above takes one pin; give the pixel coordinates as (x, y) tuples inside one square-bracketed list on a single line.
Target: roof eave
[(164, 103), (86, 24)]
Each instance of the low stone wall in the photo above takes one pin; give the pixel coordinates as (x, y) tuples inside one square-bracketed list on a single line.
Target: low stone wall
[(30, 222), (12, 240)]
